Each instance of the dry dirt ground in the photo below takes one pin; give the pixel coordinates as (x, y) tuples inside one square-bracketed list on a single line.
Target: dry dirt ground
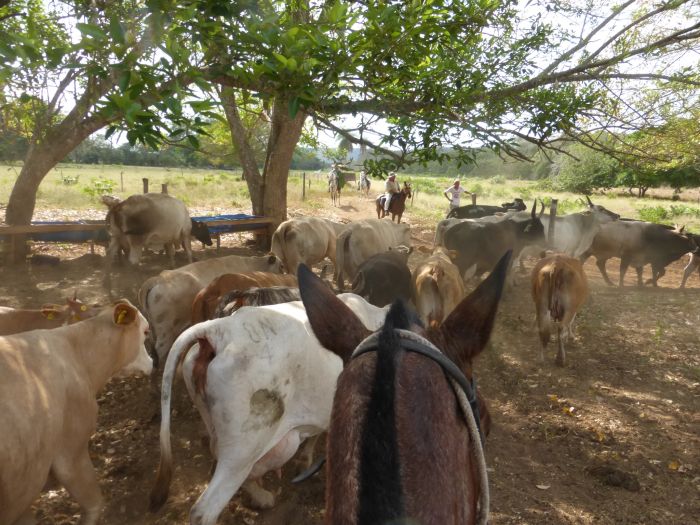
[(613, 437)]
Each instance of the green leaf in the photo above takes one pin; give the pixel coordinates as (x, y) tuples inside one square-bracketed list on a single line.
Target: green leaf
[(294, 106), (91, 30), (116, 31)]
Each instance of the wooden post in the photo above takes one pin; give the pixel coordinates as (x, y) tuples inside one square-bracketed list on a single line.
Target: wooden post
[(552, 219), (145, 185), (164, 188), (473, 199), (303, 186), (121, 176)]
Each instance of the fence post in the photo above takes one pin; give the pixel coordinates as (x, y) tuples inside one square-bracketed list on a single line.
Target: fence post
[(121, 177), (145, 185), (473, 199), (164, 188), (552, 218), (303, 186)]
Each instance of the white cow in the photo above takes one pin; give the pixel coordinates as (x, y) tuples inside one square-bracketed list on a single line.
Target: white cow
[(573, 233), (365, 238), (305, 240), (268, 386), (49, 380), (150, 219), (166, 299)]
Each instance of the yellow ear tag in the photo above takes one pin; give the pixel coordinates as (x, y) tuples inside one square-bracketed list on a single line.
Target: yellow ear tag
[(121, 317), (49, 315), (83, 308)]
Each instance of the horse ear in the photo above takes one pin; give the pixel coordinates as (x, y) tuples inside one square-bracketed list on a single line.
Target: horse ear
[(336, 327), (468, 327)]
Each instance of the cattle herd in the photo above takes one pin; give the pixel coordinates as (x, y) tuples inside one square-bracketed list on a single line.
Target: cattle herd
[(262, 343)]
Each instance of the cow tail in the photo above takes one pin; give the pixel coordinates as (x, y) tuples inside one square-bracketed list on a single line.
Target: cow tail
[(161, 487), (359, 283), (429, 301), (341, 258), (556, 286)]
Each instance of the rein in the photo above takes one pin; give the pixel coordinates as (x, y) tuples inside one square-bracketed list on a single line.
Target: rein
[(465, 391)]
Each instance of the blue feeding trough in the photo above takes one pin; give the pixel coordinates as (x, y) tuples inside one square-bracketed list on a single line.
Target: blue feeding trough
[(217, 224), (232, 227)]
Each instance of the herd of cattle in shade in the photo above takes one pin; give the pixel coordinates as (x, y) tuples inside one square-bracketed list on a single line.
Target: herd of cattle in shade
[(261, 353)]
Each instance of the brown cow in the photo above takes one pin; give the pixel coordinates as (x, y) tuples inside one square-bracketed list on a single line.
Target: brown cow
[(559, 288), (437, 286), (16, 320), (49, 380), (207, 300)]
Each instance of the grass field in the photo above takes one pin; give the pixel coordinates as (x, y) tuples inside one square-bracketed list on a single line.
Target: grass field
[(79, 187)]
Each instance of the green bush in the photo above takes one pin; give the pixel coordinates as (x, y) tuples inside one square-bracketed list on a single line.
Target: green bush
[(656, 214)]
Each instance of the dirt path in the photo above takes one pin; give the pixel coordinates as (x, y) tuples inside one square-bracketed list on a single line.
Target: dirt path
[(611, 438)]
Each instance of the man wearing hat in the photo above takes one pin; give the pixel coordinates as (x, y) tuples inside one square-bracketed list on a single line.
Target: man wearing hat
[(390, 188), (453, 192)]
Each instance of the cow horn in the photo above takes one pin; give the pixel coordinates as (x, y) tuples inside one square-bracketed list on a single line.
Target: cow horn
[(534, 209), (541, 210), (589, 200)]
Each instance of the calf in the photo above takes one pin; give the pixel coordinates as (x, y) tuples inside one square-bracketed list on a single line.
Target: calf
[(15, 320), (384, 277), (150, 219), (49, 380), (559, 288), (438, 287), (237, 299), (262, 384), (166, 299), (207, 300)]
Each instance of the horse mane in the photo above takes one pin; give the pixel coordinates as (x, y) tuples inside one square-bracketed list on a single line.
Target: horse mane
[(380, 491)]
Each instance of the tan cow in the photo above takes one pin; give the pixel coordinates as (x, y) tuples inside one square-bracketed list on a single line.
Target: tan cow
[(438, 287), (559, 288), (207, 300), (305, 240), (166, 299), (17, 320), (362, 239), (49, 380)]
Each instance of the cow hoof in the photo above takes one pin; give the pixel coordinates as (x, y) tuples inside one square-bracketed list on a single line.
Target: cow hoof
[(260, 498)]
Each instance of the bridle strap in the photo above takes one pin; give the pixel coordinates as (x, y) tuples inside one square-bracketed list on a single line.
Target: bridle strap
[(448, 366)]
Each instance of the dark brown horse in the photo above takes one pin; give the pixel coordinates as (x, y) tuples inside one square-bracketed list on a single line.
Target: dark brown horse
[(398, 449), (397, 205)]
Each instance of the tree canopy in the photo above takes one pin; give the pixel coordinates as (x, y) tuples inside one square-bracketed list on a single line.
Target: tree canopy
[(414, 81)]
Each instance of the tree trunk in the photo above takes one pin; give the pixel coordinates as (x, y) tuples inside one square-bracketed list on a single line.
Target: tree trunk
[(268, 190), (41, 157)]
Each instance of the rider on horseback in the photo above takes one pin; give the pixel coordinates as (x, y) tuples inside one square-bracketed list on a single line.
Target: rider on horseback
[(390, 188)]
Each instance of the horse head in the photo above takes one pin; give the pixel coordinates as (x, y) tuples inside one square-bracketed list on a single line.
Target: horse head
[(396, 432)]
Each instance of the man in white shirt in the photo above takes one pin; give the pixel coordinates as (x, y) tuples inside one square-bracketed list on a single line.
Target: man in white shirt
[(453, 192)]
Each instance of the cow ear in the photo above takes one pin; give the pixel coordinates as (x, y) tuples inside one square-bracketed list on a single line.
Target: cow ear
[(336, 327), (469, 326), (271, 259), (124, 314)]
